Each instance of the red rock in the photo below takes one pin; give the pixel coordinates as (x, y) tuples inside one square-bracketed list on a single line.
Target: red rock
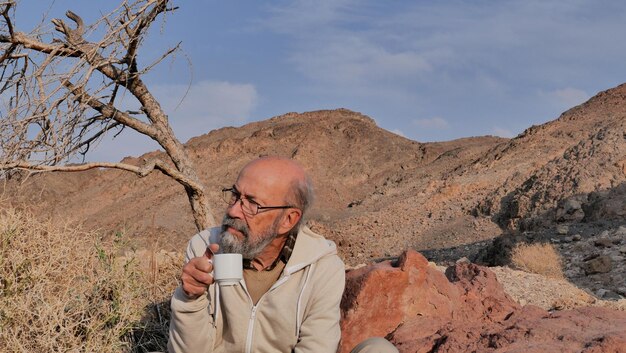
[(482, 297), (419, 309), (378, 298)]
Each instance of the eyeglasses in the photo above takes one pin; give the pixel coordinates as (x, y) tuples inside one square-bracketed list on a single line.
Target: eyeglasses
[(231, 196)]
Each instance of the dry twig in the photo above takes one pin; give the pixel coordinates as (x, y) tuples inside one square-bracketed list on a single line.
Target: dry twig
[(54, 83)]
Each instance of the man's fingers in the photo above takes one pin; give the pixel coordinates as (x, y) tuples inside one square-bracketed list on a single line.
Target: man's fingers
[(211, 249), (198, 271), (193, 291), (202, 263), (201, 277), (202, 280), (196, 276)]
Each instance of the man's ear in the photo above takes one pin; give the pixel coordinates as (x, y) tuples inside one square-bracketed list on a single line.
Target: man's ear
[(290, 219)]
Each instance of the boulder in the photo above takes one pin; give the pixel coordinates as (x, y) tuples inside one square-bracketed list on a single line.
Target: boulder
[(603, 243), (562, 229), (528, 330), (600, 264), (570, 210), (378, 298), (419, 309)]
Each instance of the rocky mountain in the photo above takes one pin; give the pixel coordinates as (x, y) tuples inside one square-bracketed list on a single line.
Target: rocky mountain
[(377, 193), (350, 159)]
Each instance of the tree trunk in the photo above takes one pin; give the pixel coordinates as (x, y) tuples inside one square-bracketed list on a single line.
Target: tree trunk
[(200, 208), (198, 200)]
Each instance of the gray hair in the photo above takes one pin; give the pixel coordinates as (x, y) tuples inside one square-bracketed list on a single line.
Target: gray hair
[(302, 197)]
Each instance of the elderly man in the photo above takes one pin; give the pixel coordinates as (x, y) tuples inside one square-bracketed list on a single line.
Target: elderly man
[(293, 280)]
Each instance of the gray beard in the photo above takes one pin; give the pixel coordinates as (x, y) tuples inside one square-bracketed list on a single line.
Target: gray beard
[(229, 243)]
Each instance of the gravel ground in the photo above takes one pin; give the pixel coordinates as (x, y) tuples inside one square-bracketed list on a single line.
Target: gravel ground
[(547, 293)]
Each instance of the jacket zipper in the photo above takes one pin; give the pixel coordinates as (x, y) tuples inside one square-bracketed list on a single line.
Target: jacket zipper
[(253, 317), (250, 329), (280, 281)]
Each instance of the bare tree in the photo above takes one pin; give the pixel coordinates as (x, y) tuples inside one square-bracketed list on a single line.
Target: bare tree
[(61, 93)]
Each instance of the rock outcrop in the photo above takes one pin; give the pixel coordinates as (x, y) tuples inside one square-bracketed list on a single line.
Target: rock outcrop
[(420, 309), (593, 254), (569, 163)]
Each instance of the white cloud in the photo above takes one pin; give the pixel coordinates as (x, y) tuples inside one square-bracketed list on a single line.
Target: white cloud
[(206, 105), (329, 49), (192, 110), (350, 60), (345, 40), (569, 96), (498, 131), (432, 123), (303, 14), (418, 57)]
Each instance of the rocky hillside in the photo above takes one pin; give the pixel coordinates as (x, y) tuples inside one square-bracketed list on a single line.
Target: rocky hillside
[(579, 159), (349, 157), (568, 170), (379, 193)]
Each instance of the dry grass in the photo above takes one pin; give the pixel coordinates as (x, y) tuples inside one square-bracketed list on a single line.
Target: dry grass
[(541, 259), (63, 289)]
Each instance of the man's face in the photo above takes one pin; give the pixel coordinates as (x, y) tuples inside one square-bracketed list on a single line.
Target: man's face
[(250, 234), (251, 244)]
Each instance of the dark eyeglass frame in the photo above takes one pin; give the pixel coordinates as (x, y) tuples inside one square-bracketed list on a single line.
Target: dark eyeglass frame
[(236, 196)]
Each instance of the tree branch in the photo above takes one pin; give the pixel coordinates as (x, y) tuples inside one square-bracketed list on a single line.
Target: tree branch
[(136, 34), (142, 171), (110, 111), (7, 18), (87, 143), (20, 38), (88, 51)]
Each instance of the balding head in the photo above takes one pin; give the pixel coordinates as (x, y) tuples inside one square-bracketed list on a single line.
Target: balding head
[(285, 177)]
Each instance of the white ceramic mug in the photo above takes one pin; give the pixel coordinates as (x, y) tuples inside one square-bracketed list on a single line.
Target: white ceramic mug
[(227, 269)]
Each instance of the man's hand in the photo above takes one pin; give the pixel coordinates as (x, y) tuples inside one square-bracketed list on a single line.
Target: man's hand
[(196, 277)]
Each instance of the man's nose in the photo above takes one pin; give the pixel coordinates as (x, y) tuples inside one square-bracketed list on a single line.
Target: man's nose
[(235, 210)]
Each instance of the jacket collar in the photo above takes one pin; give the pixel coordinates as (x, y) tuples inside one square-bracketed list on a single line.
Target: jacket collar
[(284, 256), (309, 247)]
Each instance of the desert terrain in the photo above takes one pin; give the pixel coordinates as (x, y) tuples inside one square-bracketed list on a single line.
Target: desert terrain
[(379, 194)]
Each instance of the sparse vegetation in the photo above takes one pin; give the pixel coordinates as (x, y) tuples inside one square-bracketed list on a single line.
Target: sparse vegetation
[(63, 289), (537, 258)]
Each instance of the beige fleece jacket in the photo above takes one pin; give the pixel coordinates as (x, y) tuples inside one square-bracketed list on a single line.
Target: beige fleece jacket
[(300, 312)]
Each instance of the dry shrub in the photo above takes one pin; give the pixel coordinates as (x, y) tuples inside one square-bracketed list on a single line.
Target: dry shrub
[(537, 258), (63, 289)]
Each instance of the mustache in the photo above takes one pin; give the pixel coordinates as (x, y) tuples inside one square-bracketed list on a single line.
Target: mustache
[(234, 223)]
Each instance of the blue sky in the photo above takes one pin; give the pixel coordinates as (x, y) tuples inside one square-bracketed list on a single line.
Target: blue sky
[(427, 70)]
